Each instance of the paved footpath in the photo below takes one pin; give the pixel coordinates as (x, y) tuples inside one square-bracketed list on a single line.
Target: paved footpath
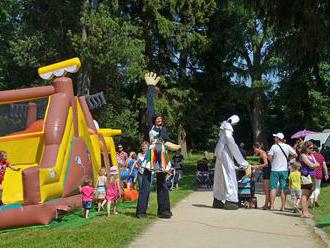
[(196, 224)]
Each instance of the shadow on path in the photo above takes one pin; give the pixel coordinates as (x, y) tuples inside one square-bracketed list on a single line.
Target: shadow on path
[(201, 206)]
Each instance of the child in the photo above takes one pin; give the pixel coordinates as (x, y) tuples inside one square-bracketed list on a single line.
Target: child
[(133, 169), (178, 167), (295, 186), (3, 165), (114, 190), (100, 189), (87, 192)]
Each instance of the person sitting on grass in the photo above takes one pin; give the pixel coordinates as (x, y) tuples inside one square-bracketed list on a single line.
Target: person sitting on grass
[(3, 166), (114, 190), (295, 186), (87, 192)]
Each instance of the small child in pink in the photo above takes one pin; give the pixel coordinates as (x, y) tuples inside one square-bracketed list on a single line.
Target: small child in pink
[(3, 166), (114, 190), (87, 192)]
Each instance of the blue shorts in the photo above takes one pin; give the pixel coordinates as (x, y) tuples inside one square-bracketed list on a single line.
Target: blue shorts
[(280, 177), (87, 204), (131, 178)]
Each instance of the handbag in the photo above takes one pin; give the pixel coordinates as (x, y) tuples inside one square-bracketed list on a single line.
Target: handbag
[(305, 180)]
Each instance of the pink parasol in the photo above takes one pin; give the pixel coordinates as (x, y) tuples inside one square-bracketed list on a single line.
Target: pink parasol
[(301, 134)]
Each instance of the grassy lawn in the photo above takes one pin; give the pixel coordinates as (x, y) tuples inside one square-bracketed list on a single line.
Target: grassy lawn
[(98, 231), (324, 208)]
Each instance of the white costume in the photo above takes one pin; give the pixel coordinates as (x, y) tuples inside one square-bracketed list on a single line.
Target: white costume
[(225, 182)]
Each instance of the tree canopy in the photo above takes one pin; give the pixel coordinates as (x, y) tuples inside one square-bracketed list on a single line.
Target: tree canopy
[(267, 61)]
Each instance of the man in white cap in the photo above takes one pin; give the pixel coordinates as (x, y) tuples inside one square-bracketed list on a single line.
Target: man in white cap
[(279, 155), (225, 182)]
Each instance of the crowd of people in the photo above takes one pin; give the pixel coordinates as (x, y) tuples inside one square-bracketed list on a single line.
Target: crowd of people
[(297, 170), (105, 191), (128, 175), (131, 170)]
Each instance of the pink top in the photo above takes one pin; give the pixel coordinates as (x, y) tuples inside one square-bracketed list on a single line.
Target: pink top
[(87, 193), (319, 170), (122, 157)]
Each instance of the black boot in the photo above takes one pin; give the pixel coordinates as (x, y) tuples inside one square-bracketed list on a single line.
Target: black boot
[(231, 205), (217, 203), (141, 216), (165, 215)]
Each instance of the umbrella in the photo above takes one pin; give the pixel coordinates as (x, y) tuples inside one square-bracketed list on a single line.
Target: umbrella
[(301, 134)]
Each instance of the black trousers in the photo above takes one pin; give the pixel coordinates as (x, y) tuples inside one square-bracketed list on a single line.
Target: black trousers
[(163, 198)]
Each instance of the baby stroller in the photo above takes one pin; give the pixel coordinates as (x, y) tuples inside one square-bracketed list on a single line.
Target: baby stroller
[(203, 174), (170, 179), (246, 190)]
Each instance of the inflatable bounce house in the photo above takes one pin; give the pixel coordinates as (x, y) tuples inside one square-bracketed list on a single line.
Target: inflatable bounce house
[(51, 136)]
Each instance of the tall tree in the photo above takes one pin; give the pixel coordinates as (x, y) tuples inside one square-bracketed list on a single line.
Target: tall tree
[(255, 60)]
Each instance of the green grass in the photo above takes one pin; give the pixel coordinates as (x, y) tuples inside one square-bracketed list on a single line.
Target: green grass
[(98, 231), (324, 208)]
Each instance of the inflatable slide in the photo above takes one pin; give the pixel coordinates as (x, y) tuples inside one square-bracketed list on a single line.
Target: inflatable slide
[(50, 135)]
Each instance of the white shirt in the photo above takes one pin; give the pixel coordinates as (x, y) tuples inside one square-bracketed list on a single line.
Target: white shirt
[(279, 161), (140, 158)]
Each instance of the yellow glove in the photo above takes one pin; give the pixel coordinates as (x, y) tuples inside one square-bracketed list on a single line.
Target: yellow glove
[(151, 78), (172, 147)]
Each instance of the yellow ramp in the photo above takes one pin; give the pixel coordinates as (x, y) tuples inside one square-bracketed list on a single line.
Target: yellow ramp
[(22, 153)]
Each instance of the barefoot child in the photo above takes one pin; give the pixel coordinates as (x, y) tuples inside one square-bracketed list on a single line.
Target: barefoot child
[(3, 165), (100, 189), (87, 192), (114, 190), (295, 186)]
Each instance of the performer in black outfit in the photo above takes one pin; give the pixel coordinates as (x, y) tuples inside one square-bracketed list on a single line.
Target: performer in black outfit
[(157, 157)]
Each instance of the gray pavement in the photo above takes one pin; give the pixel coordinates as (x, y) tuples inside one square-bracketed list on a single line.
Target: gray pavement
[(196, 224)]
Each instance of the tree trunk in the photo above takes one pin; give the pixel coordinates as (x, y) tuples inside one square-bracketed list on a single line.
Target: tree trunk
[(181, 84), (182, 140), (256, 114), (84, 79), (256, 110), (148, 34)]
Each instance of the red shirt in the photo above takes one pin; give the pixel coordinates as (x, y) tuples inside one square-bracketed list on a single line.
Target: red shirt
[(87, 193), (3, 167), (319, 170)]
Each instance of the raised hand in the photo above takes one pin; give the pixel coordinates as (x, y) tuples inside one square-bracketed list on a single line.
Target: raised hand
[(151, 78)]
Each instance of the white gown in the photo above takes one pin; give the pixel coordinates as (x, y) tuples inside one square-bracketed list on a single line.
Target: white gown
[(225, 182)]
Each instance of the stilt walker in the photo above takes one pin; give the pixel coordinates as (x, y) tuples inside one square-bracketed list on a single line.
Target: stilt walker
[(225, 183), (157, 158)]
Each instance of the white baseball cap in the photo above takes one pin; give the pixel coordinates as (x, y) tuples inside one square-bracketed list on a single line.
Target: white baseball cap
[(279, 135)]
